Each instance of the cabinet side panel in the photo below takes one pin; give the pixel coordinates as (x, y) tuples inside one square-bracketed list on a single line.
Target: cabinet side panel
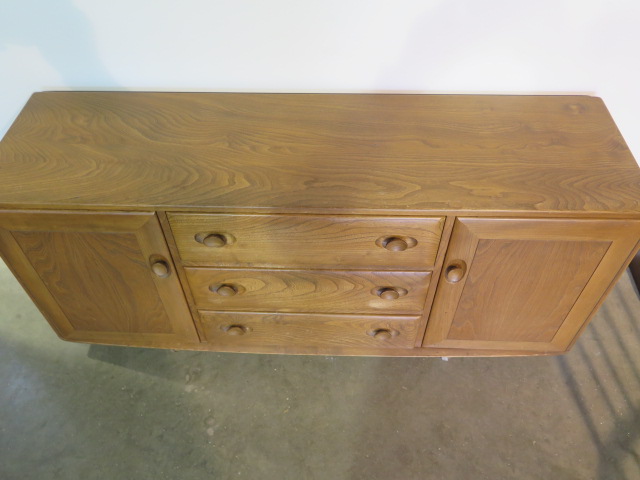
[(100, 280)]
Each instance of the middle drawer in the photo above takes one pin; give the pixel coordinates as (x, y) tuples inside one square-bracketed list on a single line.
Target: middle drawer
[(305, 291)]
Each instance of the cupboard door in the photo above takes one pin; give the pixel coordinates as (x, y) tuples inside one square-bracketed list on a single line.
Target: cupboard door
[(98, 277), (525, 284)]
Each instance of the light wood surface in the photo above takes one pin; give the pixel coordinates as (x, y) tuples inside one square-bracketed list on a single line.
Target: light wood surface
[(529, 272), (173, 249), (310, 291), (527, 284), (315, 241), (318, 152), (442, 250), (94, 273), (291, 330), (394, 225)]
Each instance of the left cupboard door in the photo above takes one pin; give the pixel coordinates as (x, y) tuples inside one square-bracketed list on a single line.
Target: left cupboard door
[(99, 277)]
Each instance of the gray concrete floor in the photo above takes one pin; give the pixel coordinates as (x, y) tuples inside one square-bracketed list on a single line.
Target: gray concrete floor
[(72, 411)]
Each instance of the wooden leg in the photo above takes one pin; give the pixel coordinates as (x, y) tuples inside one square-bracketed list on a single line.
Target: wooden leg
[(635, 270)]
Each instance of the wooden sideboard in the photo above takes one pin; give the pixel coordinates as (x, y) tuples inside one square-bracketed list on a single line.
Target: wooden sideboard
[(333, 224)]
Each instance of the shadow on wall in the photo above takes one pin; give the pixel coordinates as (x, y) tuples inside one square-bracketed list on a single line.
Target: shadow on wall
[(62, 34)]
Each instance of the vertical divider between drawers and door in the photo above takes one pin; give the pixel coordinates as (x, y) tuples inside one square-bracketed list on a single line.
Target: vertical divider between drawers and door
[(435, 277), (173, 248)]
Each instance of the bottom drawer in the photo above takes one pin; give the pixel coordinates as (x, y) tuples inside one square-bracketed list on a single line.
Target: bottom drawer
[(305, 330)]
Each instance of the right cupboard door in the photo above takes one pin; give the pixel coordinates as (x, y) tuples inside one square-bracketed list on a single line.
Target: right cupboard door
[(525, 284)]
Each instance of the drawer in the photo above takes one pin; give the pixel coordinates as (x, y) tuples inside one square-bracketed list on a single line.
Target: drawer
[(307, 241), (302, 330), (309, 291)]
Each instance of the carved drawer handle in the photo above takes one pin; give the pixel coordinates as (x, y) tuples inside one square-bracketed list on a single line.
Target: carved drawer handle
[(396, 243), (214, 240), (455, 271), (226, 289), (390, 293), (235, 330), (160, 268), (383, 334)]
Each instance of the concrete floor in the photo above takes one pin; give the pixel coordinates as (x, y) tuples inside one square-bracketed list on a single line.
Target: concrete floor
[(72, 411)]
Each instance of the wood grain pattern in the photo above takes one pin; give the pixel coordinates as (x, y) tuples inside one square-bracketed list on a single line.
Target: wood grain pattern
[(97, 289), (96, 269), (540, 281), (605, 282), (314, 241), (290, 198), (530, 284), (393, 153), (447, 229), (179, 268), (309, 291), (306, 330)]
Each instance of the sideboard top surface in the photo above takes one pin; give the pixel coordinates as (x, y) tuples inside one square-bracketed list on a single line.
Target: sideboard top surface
[(318, 152)]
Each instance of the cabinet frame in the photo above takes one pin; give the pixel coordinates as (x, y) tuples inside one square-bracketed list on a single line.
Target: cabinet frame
[(468, 231), (148, 233)]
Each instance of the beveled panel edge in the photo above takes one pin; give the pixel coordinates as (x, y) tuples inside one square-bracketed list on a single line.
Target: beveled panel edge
[(22, 270), (614, 280), (118, 220)]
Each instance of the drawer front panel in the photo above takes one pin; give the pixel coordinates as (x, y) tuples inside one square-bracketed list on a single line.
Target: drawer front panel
[(309, 291), (307, 241), (272, 329)]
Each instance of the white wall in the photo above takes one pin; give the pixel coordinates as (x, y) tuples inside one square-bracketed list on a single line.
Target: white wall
[(450, 46)]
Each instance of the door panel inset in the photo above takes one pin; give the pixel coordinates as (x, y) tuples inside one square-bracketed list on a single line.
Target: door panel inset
[(502, 285), (525, 284), (99, 277)]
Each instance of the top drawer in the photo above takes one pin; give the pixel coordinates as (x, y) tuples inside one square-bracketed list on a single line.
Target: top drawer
[(320, 241)]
